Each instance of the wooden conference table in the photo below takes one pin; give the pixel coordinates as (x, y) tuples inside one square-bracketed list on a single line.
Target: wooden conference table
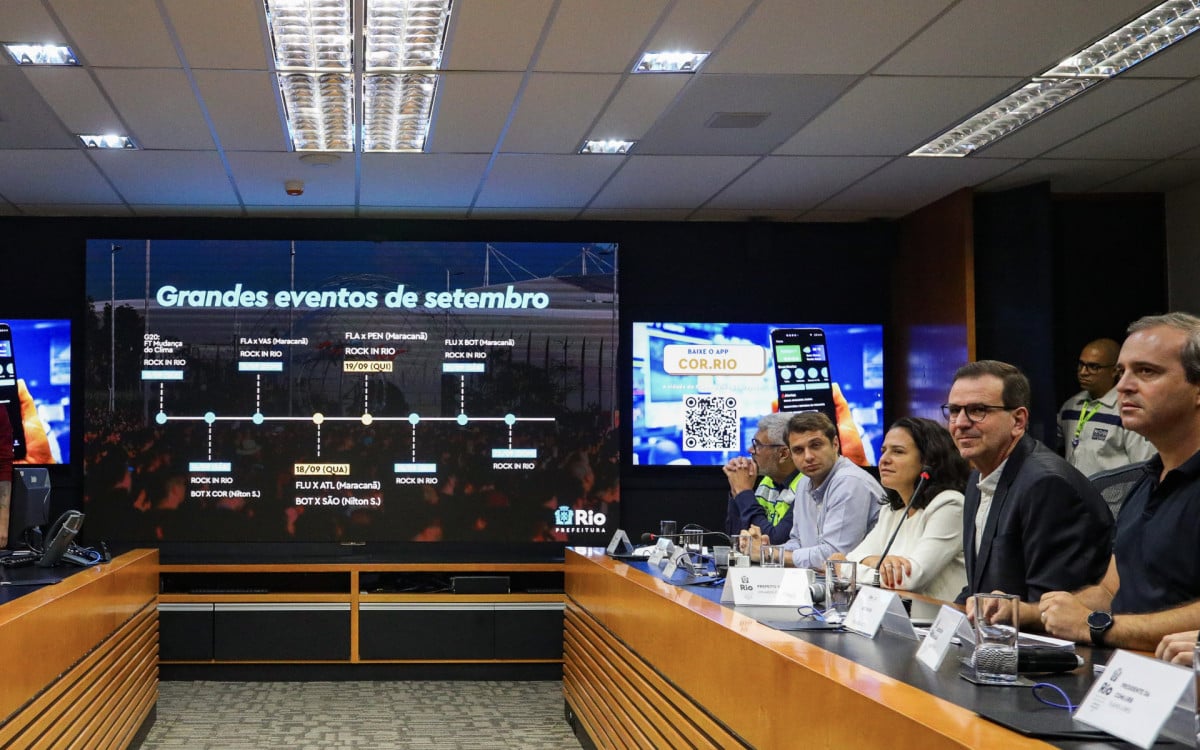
[(79, 658), (652, 664)]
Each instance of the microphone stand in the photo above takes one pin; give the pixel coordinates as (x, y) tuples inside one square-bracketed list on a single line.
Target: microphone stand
[(924, 477)]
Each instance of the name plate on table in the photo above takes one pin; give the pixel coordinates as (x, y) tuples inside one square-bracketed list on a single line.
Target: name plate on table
[(1133, 697), (661, 549), (768, 587), (937, 644), (873, 608)]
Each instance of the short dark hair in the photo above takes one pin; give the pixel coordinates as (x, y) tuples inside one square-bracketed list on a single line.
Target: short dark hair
[(1190, 325), (948, 469), (812, 421), (1016, 391)]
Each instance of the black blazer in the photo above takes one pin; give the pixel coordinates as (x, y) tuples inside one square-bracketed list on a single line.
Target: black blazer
[(1048, 529)]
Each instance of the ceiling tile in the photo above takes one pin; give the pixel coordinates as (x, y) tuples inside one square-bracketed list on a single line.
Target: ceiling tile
[(446, 213), (553, 181), (142, 96), (790, 100), (590, 37), (794, 182), (1156, 130), (476, 25), (305, 210), (821, 36), (670, 181), (972, 38), (259, 177), (27, 21), (76, 99), (742, 214), (540, 213), (471, 111), (908, 183), (129, 33), (1094, 108), (229, 34), (837, 217), (25, 119), (556, 111), (150, 177), (52, 177), (213, 209), (76, 209), (413, 180), (878, 117), (245, 109), (1065, 175), (635, 214), (638, 103), (1161, 177), (697, 25)]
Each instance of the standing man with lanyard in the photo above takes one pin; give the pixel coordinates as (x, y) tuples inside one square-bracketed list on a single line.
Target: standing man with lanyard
[(1089, 423)]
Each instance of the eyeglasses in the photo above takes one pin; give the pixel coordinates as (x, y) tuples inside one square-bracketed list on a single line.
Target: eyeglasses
[(975, 412), (755, 445), (1092, 366)]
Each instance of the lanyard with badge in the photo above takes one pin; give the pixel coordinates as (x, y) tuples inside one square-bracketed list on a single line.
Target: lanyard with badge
[(1084, 416)]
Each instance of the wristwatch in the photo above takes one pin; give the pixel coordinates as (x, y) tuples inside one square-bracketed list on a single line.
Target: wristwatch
[(1099, 623)]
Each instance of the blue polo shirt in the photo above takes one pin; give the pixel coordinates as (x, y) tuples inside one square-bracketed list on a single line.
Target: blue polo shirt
[(1158, 540)]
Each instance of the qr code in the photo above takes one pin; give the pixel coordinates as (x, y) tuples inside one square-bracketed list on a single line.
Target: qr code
[(710, 423)]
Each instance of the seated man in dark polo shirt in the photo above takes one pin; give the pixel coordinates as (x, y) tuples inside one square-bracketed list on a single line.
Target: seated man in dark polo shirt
[(1152, 587)]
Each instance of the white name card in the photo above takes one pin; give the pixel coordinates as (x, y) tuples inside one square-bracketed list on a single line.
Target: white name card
[(1133, 697), (768, 587), (937, 644), (873, 607)]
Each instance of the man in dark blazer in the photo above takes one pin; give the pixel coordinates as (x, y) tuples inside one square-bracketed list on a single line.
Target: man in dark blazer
[(1031, 522)]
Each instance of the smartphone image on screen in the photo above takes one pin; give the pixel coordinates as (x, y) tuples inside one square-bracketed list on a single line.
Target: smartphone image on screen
[(802, 379), (8, 390)]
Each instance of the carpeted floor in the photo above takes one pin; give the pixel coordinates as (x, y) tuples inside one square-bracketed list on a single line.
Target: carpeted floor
[(458, 715)]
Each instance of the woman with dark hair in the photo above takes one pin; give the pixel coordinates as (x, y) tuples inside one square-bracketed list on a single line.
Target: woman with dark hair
[(927, 556)]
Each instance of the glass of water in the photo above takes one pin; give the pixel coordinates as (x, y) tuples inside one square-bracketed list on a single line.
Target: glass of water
[(996, 631), (840, 587)]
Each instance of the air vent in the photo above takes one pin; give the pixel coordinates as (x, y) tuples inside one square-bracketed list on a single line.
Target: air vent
[(737, 119)]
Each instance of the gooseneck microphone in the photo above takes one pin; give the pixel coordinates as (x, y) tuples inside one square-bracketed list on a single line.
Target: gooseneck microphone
[(649, 538), (924, 477)]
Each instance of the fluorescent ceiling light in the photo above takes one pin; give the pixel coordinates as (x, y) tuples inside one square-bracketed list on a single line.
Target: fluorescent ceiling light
[(607, 147), (670, 62), (404, 40), (42, 54), (1129, 45), (321, 79), (106, 141)]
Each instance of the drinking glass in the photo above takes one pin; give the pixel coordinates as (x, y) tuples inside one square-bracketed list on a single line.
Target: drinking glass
[(996, 631), (667, 529), (840, 579), (771, 555)]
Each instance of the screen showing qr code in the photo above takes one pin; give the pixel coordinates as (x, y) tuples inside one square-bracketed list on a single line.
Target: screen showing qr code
[(710, 423)]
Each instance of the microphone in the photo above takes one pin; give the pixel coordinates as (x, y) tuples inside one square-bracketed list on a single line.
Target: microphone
[(925, 472), (649, 538)]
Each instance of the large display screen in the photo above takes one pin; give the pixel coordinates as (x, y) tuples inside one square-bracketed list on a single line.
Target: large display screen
[(35, 387), (351, 391), (699, 389)]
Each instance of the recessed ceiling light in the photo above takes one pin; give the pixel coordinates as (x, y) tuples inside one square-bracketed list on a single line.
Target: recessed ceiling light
[(41, 54), (670, 62), (107, 141), (1112, 55), (607, 147)]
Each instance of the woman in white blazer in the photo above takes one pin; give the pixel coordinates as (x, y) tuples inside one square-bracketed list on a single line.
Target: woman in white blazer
[(927, 555)]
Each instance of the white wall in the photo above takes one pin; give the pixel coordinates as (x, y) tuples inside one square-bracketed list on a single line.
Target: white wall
[(1183, 249)]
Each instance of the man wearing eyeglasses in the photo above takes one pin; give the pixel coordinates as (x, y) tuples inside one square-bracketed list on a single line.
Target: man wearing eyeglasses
[(1031, 522), (1089, 423), (766, 503)]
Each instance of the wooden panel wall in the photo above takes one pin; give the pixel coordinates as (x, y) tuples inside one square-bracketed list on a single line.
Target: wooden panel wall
[(81, 658)]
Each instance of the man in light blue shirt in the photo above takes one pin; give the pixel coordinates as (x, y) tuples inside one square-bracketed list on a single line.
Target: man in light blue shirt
[(837, 503)]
